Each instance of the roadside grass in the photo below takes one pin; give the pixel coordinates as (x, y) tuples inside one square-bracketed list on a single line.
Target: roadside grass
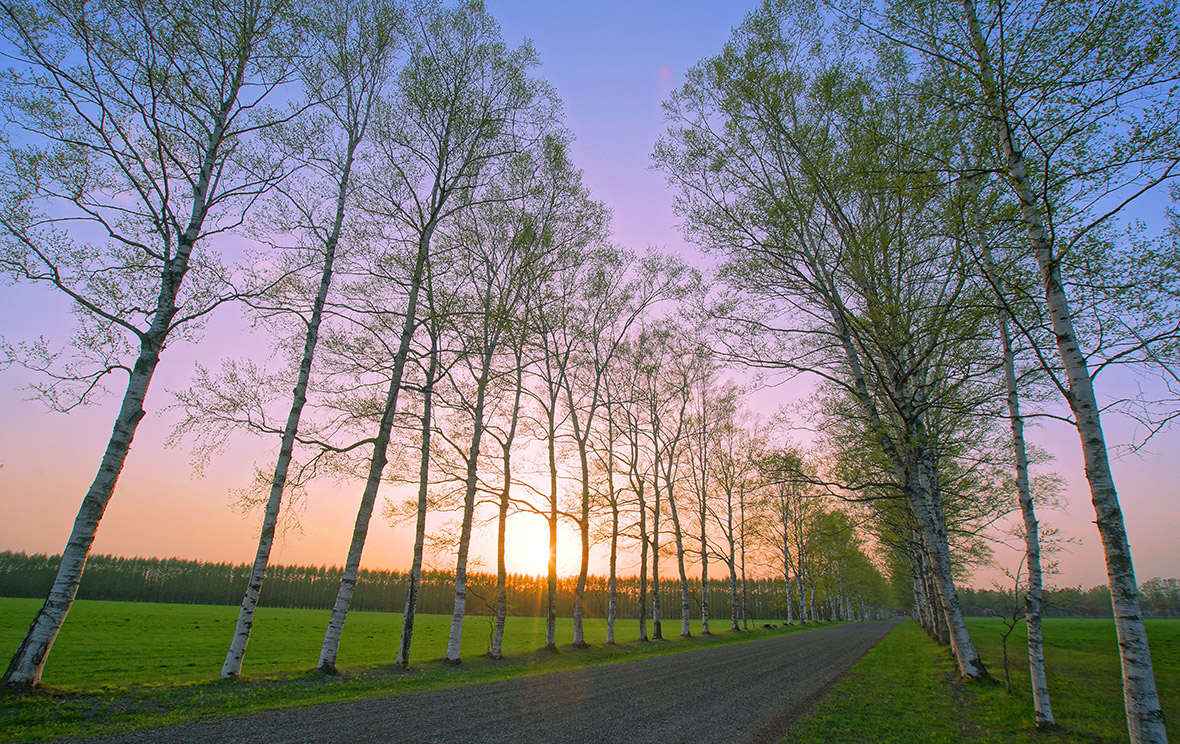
[(118, 666), (906, 690)]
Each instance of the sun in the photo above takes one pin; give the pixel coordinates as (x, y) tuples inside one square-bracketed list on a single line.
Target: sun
[(526, 544)]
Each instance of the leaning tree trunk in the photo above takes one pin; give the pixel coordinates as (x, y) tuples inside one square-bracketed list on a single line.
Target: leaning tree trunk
[(613, 580), (925, 503), (704, 578), (685, 602), (1145, 717), (360, 531), (415, 578), (643, 546), (502, 519), (24, 670), (454, 642), (237, 647), (656, 615), (551, 588), (742, 527), (584, 534), (1032, 610)]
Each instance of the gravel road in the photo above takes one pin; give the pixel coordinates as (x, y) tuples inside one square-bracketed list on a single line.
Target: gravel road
[(747, 692)]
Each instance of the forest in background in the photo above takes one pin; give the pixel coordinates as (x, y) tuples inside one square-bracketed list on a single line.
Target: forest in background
[(183, 581)]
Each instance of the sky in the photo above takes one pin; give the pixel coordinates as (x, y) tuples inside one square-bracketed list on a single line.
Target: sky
[(612, 63)]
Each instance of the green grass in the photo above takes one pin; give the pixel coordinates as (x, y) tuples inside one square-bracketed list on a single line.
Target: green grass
[(907, 689), (123, 665)]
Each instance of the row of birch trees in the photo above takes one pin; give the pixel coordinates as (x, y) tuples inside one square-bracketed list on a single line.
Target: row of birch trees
[(927, 205), (435, 281)]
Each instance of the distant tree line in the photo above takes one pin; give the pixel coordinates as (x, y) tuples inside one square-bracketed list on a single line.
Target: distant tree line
[(182, 581), (1158, 598)]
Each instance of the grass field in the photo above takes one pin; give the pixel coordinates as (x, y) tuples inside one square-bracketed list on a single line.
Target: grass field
[(907, 690), (121, 665)]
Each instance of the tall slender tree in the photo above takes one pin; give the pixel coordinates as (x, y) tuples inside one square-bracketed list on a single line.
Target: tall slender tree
[(136, 118), (458, 108)]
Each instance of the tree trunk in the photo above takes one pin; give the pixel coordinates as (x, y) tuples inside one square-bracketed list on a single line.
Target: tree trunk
[(360, 532), (502, 526), (643, 546), (742, 527), (704, 578), (1032, 612), (24, 671), (551, 601), (584, 533), (1145, 717), (237, 647), (657, 631), (415, 578), (685, 603), (454, 642)]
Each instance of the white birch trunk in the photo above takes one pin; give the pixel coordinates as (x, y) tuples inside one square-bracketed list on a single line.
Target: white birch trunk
[(331, 646), (657, 631), (704, 578), (24, 670), (584, 534), (643, 546), (415, 577), (1145, 717), (742, 503), (1032, 542), (237, 647), (612, 581), (551, 594), (454, 641), (502, 526), (685, 602)]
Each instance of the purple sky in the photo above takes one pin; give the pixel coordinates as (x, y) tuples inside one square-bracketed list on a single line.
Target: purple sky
[(612, 64)]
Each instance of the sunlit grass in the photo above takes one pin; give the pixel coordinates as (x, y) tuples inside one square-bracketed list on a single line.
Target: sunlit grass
[(906, 689), (122, 665)]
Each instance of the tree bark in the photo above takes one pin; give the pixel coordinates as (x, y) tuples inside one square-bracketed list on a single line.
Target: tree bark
[(360, 531), (414, 580), (454, 642), (502, 520), (1032, 611), (237, 647), (24, 670), (1145, 717)]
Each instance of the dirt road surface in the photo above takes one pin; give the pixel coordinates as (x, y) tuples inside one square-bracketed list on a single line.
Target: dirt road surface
[(746, 692)]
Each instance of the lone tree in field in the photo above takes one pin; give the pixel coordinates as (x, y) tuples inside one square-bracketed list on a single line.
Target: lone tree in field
[(132, 155)]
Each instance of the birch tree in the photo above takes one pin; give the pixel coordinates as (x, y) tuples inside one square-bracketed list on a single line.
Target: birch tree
[(785, 162), (1084, 124), (459, 106), (517, 241), (347, 70), (134, 152), (618, 290)]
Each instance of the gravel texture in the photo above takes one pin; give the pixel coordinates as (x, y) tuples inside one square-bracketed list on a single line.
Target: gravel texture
[(746, 692)]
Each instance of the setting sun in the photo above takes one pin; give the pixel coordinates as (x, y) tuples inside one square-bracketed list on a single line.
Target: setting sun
[(527, 546)]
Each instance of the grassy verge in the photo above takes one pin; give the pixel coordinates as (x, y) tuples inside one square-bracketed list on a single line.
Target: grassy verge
[(118, 665), (907, 689)]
